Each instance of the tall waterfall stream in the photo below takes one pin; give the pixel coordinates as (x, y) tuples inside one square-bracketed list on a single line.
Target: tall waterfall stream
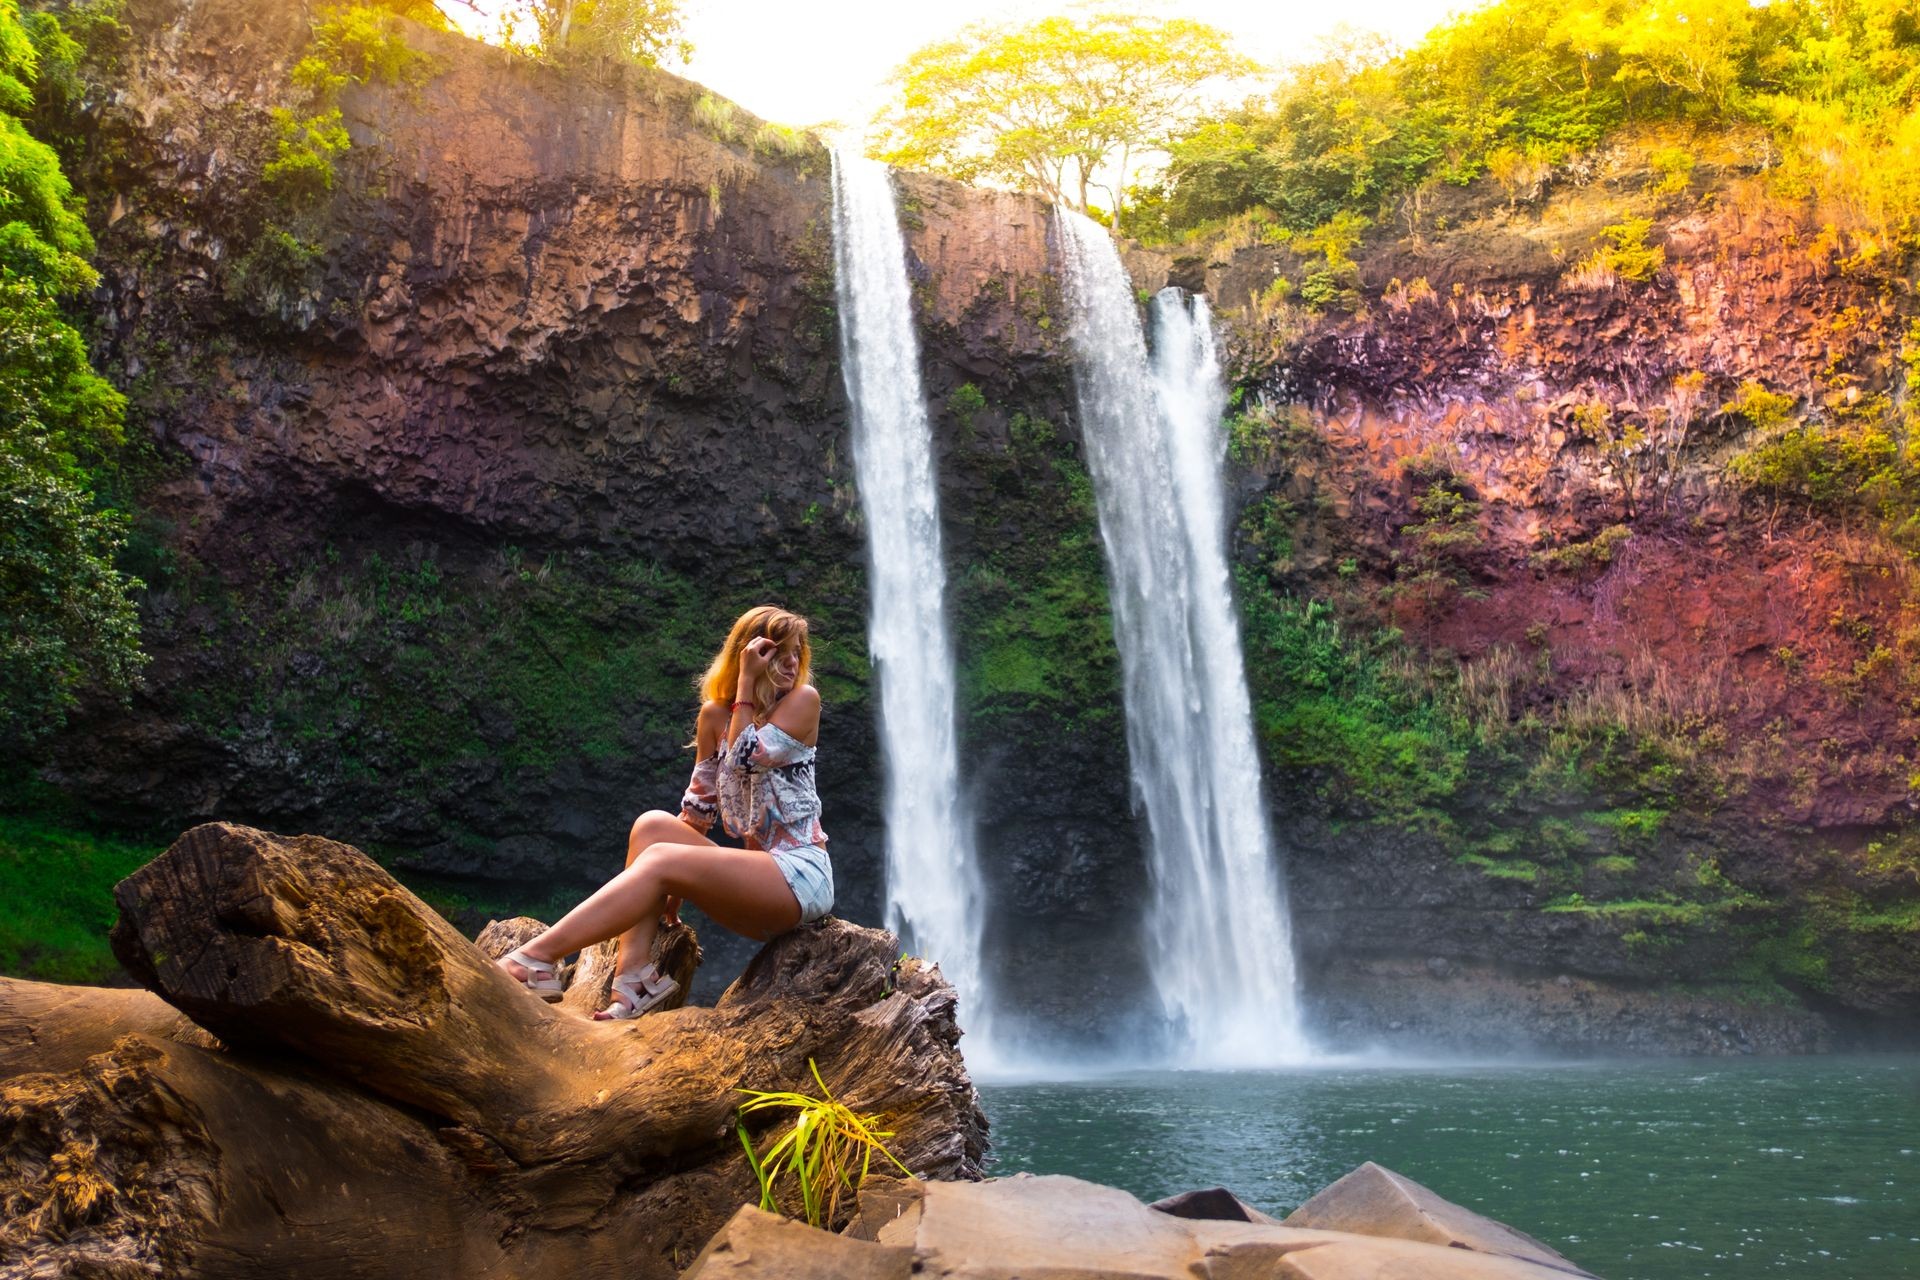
[(935, 900), (1218, 939)]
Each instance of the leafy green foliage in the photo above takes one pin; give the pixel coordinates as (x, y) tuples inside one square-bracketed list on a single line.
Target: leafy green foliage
[(717, 117), (273, 273), (1625, 456), (273, 276), (69, 617), (779, 140), (352, 44), (1046, 105), (1846, 466), (78, 50), (71, 620), (1576, 556), (300, 174), (1675, 167), (818, 1153), (423, 666), (963, 402), (1438, 548)]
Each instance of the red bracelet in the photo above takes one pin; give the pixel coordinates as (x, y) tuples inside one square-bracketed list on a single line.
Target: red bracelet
[(736, 706)]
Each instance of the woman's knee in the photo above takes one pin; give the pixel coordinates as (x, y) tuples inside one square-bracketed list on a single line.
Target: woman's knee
[(651, 828)]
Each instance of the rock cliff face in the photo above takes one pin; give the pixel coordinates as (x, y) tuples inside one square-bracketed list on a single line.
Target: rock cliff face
[(1735, 671), (445, 511)]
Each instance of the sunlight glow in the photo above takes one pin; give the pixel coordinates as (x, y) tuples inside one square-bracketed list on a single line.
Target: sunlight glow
[(827, 63)]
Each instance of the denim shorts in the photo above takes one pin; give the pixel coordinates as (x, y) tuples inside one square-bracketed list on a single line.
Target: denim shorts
[(810, 876)]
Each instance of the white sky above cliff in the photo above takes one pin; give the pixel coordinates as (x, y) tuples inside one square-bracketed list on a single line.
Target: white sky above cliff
[(802, 63)]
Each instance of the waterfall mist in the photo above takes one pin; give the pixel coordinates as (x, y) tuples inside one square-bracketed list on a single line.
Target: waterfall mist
[(935, 900), (1218, 941)]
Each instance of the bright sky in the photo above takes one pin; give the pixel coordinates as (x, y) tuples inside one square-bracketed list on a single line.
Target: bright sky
[(808, 62)]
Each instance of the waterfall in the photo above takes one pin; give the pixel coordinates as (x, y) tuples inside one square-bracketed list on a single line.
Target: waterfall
[(935, 901), (1218, 940)]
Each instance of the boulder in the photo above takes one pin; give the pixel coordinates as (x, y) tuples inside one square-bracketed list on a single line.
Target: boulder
[(1376, 1201), (1214, 1204), (767, 1246)]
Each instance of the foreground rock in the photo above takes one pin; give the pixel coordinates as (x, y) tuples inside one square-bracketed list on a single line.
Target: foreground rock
[(1066, 1229), (360, 1092), (1375, 1201)]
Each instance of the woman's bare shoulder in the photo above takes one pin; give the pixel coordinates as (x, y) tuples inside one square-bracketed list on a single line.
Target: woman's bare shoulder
[(799, 713)]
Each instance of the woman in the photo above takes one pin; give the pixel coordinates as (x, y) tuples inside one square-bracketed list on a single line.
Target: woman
[(755, 769)]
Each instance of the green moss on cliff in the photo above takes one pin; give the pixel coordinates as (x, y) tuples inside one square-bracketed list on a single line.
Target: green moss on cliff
[(1034, 631), (1328, 703), (430, 674)]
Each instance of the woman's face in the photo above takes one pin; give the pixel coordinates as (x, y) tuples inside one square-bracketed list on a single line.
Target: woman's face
[(785, 667)]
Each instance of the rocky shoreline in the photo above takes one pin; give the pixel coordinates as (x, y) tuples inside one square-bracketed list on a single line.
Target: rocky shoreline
[(1372, 1224)]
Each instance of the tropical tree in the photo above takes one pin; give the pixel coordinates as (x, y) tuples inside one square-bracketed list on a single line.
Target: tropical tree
[(643, 31), (1052, 106), (67, 618)]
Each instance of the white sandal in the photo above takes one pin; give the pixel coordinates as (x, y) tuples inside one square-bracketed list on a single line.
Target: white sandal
[(543, 977), (635, 993)]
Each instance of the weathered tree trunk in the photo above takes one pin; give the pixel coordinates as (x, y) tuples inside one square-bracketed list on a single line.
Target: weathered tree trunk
[(362, 1093)]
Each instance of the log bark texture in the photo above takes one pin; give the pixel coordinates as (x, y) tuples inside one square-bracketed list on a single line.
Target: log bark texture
[(360, 1092)]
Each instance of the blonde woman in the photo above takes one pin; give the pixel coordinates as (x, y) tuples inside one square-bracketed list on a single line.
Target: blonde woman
[(754, 752)]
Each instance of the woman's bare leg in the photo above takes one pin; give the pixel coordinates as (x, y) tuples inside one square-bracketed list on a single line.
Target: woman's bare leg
[(741, 889), (655, 826)]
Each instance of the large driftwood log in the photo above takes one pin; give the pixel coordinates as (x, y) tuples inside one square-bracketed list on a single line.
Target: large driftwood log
[(362, 1093)]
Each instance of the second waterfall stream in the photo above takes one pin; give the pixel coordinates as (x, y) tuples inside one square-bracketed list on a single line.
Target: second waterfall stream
[(1218, 940), (935, 901)]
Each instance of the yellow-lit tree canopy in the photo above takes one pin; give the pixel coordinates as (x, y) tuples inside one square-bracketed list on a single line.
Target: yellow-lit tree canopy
[(1047, 106), (1518, 87), (643, 31), (631, 30)]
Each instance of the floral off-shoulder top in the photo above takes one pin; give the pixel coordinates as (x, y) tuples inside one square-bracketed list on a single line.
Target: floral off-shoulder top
[(762, 788)]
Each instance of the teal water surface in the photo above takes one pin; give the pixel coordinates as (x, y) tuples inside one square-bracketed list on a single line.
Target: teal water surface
[(1666, 1170)]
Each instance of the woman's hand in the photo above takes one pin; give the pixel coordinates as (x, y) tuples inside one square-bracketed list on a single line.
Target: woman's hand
[(671, 913), (755, 658)]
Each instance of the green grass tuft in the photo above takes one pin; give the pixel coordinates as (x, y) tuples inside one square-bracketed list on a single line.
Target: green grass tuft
[(56, 899)]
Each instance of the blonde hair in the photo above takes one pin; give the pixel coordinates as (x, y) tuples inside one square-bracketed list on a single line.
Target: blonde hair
[(786, 629)]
